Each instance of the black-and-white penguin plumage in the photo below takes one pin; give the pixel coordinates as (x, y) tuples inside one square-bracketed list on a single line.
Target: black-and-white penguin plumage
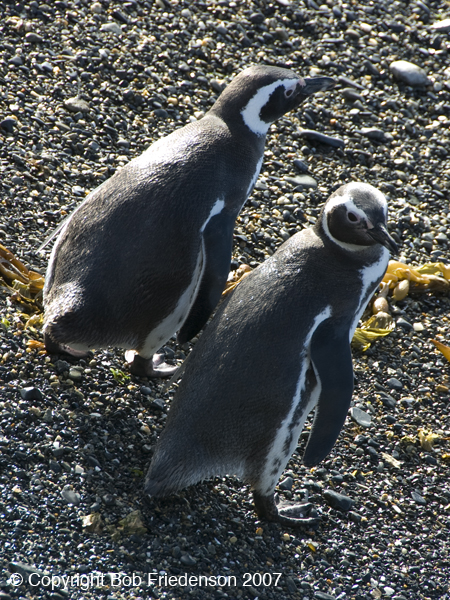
[(277, 348), (148, 252)]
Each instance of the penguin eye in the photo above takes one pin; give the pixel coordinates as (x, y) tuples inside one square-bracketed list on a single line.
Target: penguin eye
[(352, 217), (290, 90)]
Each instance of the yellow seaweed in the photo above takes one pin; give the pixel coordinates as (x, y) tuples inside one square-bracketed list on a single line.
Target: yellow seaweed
[(445, 350)]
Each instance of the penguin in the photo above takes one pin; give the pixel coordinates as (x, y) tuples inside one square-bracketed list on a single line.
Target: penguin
[(148, 252), (277, 348)]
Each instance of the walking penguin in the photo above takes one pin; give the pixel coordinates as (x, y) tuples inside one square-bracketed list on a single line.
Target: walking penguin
[(148, 252), (277, 348)]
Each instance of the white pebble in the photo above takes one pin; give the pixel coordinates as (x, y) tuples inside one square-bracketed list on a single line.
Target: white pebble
[(410, 73), (418, 327)]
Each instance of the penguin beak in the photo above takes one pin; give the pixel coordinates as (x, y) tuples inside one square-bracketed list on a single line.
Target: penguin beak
[(380, 234), (316, 84)]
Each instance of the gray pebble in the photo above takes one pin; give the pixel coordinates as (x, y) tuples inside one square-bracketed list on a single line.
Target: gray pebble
[(286, 484), (394, 384), (338, 501), (62, 366), (71, 497), (187, 560), (361, 417), (409, 73), (75, 374), (305, 180), (8, 124), (33, 38), (404, 324), (111, 28), (301, 166), (418, 499), (311, 134), (31, 393), (323, 596), (76, 105), (373, 133)]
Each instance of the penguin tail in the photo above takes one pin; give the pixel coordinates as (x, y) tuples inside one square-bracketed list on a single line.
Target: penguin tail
[(165, 476), (170, 472)]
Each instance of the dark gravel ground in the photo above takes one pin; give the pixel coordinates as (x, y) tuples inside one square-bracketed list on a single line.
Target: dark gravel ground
[(86, 86)]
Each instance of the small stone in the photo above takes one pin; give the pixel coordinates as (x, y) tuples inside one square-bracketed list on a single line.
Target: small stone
[(111, 28), (441, 26), (48, 416), (8, 124), (394, 384), (55, 466), (388, 400), (418, 327), (418, 499), (338, 501), (146, 390), (217, 86), (161, 113), (361, 417), (96, 8), (286, 484), (304, 180), (404, 324), (373, 133), (16, 60), (354, 517), (76, 105), (71, 497), (257, 18), (323, 596), (409, 73), (388, 591), (75, 374), (187, 560), (158, 404), (301, 166), (62, 366), (31, 393)]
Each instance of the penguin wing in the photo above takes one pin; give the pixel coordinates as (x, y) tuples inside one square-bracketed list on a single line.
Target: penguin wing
[(332, 361), (217, 246)]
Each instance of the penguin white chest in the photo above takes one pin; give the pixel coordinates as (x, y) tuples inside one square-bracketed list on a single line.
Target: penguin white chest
[(303, 402), (164, 330)]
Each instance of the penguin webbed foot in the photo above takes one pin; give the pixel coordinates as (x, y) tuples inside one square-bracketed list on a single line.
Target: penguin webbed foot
[(151, 367), (53, 347), (301, 515)]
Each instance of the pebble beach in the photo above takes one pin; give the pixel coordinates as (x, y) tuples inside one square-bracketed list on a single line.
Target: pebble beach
[(84, 88)]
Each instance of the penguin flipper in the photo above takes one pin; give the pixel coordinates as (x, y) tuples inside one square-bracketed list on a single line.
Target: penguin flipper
[(332, 361), (217, 246)]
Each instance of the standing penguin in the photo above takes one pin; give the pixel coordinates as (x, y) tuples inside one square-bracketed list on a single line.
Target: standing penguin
[(148, 252), (278, 347)]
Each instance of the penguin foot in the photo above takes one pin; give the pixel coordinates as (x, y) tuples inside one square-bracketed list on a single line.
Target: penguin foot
[(294, 515), (151, 367), (53, 347)]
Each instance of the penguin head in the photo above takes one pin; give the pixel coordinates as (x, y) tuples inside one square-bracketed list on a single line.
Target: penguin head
[(260, 95), (354, 217)]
